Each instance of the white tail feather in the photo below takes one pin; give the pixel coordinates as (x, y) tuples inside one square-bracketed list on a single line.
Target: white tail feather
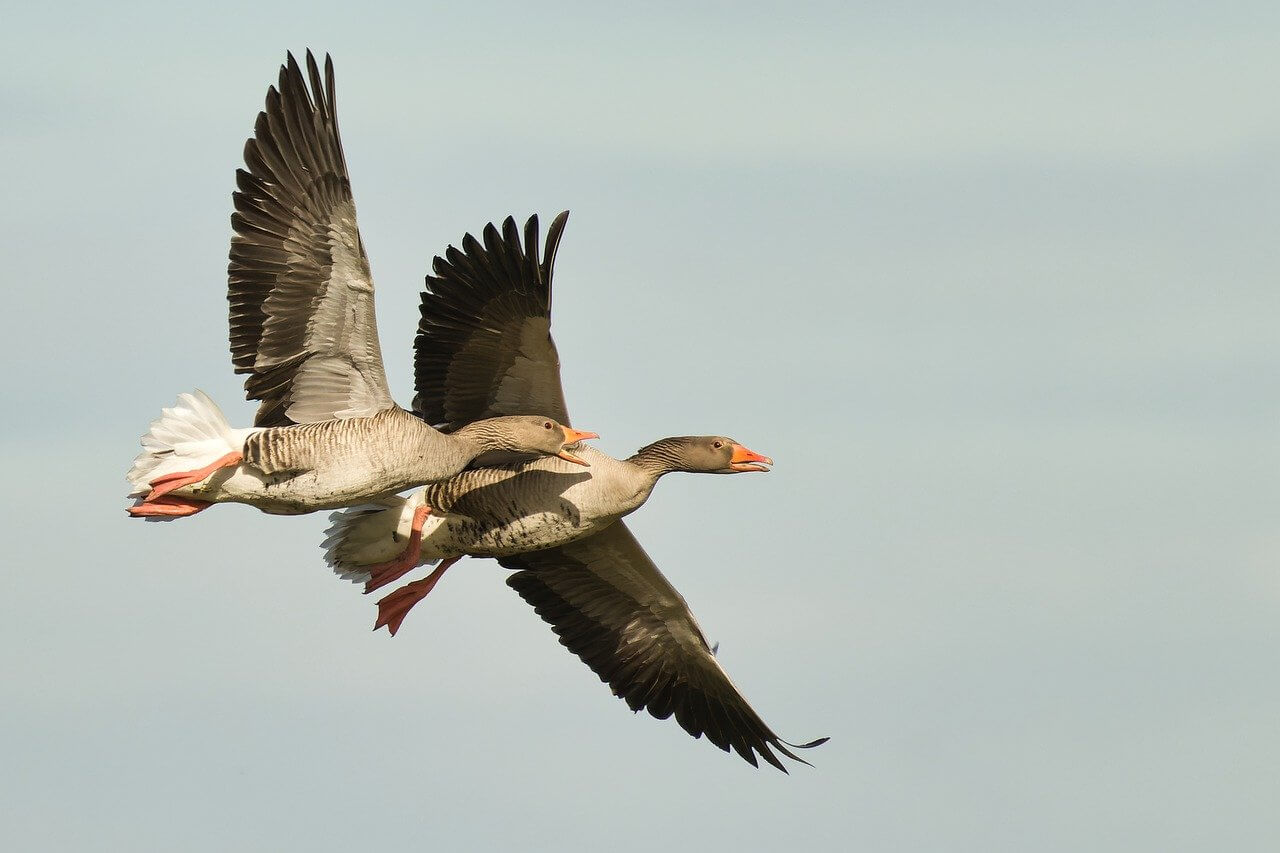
[(361, 536), (190, 435)]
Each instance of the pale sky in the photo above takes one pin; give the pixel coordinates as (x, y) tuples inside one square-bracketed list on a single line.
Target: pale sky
[(994, 284)]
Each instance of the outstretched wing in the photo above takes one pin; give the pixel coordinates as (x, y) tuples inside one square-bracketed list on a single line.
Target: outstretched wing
[(611, 607), (302, 322), (484, 344)]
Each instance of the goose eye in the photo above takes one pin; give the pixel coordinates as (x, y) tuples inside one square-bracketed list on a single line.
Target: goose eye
[(547, 425), (717, 444)]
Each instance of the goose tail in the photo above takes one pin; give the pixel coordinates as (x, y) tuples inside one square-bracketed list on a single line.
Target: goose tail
[(362, 536), (191, 434)]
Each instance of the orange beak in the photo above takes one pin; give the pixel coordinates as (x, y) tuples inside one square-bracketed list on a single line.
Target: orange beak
[(573, 436), (743, 458)]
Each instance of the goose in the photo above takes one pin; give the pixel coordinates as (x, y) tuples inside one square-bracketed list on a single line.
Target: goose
[(484, 348), (327, 433)]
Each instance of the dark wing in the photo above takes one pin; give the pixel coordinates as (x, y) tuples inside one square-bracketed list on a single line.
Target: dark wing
[(484, 343), (611, 607), (301, 295)]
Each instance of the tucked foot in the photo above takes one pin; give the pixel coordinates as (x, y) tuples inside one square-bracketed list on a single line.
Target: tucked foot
[(396, 606), (162, 486), (381, 574), (168, 506)]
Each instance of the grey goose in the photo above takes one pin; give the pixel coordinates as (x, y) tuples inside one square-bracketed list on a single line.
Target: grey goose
[(484, 349), (327, 433)]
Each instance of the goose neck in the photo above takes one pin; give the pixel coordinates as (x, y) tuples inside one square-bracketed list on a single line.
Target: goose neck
[(661, 457), (482, 436)]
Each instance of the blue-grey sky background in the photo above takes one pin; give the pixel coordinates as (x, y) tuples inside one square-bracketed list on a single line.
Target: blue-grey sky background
[(994, 283)]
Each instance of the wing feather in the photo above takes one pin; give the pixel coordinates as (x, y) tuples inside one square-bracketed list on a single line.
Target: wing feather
[(484, 344), (299, 286), (611, 607)]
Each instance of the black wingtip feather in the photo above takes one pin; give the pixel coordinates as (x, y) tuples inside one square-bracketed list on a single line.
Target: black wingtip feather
[(563, 592), (474, 321)]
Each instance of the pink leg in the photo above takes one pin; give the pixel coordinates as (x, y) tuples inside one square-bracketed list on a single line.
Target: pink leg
[(161, 486), (396, 606), (168, 505), (381, 574)]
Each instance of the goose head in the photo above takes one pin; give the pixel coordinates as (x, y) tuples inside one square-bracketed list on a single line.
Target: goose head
[(704, 454), (536, 434)]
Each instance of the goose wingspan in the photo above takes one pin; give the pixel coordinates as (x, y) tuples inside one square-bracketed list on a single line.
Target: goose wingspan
[(484, 344), (302, 320), (611, 607)]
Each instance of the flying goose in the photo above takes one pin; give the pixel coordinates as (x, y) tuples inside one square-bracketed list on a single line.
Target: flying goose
[(484, 348), (327, 433), (508, 510)]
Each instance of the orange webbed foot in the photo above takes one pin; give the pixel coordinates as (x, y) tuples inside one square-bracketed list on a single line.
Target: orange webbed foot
[(396, 606), (168, 506), (162, 486)]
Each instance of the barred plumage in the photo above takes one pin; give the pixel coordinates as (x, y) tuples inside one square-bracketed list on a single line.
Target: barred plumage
[(375, 442)]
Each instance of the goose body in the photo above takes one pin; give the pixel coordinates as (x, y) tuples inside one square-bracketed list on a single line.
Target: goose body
[(492, 512), (309, 467), (534, 505), (327, 433), (512, 509)]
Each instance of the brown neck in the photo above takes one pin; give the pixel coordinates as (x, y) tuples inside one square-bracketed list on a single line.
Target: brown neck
[(661, 457), (483, 436)]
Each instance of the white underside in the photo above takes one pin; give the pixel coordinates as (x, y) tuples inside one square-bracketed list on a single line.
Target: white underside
[(190, 435)]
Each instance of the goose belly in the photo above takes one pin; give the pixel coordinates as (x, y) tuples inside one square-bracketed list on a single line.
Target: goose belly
[(530, 532), (286, 493)]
